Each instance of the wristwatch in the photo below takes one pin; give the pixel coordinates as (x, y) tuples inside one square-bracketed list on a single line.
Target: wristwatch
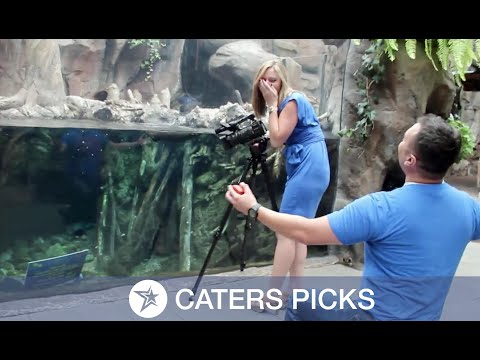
[(272, 109), (253, 211)]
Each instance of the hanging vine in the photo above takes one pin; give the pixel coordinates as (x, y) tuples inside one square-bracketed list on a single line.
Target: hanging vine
[(370, 73), (153, 56)]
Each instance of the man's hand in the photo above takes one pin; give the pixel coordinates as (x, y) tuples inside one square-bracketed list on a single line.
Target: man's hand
[(241, 202)]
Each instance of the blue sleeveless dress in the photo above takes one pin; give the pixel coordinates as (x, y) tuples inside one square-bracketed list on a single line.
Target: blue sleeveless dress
[(306, 161)]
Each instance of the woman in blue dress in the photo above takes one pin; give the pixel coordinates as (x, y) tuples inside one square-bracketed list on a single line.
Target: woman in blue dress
[(292, 122)]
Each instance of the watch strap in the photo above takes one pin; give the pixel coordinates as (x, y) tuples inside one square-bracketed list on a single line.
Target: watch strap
[(272, 109), (255, 209)]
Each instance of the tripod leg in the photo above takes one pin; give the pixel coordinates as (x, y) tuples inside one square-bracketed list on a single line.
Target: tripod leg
[(217, 234), (248, 221), (248, 228), (271, 194), (269, 183)]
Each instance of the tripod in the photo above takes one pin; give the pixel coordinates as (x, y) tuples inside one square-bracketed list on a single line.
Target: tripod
[(258, 155)]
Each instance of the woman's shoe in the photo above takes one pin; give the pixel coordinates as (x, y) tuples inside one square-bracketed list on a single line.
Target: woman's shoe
[(284, 298), (261, 305), (258, 306)]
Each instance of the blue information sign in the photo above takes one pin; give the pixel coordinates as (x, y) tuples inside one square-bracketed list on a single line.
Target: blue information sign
[(55, 271)]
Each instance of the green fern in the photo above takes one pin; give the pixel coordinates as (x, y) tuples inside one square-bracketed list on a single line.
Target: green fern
[(450, 54), (458, 49), (428, 52), (411, 47), (443, 52), (391, 46), (469, 56)]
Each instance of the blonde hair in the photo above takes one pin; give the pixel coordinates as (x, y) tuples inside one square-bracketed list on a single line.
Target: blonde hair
[(258, 102)]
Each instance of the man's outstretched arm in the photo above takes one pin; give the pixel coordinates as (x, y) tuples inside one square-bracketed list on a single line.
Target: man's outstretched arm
[(308, 231)]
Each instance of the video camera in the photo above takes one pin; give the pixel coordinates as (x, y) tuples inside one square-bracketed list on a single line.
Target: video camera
[(241, 131)]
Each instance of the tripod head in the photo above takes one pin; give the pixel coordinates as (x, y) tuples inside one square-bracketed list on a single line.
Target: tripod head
[(258, 147)]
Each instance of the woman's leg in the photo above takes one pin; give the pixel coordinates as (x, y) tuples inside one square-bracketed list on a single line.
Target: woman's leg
[(297, 269), (289, 259), (283, 259)]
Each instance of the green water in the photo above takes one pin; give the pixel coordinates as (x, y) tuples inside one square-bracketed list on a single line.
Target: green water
[(142, 199)]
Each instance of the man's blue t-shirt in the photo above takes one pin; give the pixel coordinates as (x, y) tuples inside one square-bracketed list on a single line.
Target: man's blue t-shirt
[(414, 239)]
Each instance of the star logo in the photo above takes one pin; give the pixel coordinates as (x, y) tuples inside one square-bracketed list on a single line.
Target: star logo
[(148, 298)]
